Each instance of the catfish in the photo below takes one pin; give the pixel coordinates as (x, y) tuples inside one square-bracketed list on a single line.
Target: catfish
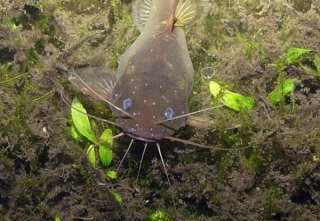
[(148, 93)]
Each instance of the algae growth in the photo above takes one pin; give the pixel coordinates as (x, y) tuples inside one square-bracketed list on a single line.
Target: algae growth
[(45, 174)]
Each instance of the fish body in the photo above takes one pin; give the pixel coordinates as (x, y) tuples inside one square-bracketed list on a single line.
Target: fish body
[(155, 75)]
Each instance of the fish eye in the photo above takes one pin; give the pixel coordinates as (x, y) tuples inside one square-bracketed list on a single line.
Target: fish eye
[(168, 113), (127, 103)]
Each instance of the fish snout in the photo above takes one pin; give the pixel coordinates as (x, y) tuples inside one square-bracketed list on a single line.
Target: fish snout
[(147, 132)]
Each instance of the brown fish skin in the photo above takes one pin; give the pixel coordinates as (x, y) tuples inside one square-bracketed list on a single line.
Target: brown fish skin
[(156, 78), (155, 75)]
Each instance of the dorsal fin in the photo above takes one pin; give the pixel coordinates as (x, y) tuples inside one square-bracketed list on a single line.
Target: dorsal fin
[(190, 10), (141, 11)]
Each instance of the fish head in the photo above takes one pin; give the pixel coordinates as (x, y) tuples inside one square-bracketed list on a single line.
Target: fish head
[(150, 104)]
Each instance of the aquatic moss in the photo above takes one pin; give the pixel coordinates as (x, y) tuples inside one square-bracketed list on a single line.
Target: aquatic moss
[(253, 47), (253, 160), (287, 28), (274, 195)]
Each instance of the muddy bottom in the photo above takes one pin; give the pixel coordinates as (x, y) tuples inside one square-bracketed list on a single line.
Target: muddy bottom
[(264, 163)]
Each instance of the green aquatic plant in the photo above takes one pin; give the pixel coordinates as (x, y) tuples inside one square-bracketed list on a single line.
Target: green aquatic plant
[(111, 174), (97, 147), (57, 218), (116, 195), (279, 94), (230, 99), (253, 47), (158, 215), (288, 27), (80, 122), (253, 160), (294, 56)]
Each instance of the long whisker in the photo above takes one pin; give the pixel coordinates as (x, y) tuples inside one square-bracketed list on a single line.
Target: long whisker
[(118, 135), (131, 142), (200, 145), (188, 114), (165, 171), (140, 164), (163, 164), (89, 115), (102, 98)]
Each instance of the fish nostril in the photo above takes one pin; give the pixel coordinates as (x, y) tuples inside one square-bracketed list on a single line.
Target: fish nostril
[(127, 103), (168, 113)]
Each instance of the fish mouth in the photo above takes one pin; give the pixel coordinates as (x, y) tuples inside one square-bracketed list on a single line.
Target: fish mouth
[(144, 139)]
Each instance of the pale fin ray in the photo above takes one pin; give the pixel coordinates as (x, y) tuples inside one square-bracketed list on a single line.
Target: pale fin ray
[(141, 11), (94, 81), (188, 10), (87, 82)]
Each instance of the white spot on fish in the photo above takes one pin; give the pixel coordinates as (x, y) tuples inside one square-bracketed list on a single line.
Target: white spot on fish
[(153, 103), (146, 84), (132, 80), (161, 86), (145, 101)]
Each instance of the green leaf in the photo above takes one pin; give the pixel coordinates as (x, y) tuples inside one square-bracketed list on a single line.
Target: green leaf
[(112, 174), (57, 218), (230, 99), (158, 215), (74, 132), (316, 62), (92, 155), (294, 53), (105, 154), (116, 195), (107, 137), (81, 121), (105, 149), (282, 90)]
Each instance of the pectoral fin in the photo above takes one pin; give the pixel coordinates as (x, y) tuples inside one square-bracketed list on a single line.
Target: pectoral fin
[(141, 11), (96, 82)]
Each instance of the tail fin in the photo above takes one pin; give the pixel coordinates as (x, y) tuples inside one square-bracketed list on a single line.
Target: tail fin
[(188, 11)]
